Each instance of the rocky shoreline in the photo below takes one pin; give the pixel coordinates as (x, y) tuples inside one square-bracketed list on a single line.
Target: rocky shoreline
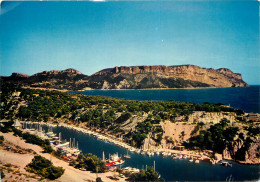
[(88, 89)]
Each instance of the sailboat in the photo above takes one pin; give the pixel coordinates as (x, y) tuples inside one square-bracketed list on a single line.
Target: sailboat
[(127, 156)]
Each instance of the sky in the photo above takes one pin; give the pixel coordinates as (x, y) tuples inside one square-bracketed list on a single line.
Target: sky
[(90, 36)]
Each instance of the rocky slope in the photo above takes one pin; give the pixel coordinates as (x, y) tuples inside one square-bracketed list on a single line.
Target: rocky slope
[(246, 152), (69, 79), (135, 77)]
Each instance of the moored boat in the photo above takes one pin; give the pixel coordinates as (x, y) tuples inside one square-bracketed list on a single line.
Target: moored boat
[(127, 156), (114, 160), (197, 161)]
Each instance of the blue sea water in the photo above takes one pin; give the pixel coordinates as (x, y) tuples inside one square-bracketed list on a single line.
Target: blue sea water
[(169, 169), (244, 98)]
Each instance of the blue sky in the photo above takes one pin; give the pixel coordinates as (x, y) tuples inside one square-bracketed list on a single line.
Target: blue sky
[(90, 36)]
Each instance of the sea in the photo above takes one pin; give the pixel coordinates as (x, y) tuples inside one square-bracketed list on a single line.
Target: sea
[(244, 98)]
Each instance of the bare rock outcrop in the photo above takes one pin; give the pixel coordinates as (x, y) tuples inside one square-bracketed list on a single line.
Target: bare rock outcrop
[(134, 77), (210, 117), (69, 71), (184, 76), (20, 75), (245, 151)]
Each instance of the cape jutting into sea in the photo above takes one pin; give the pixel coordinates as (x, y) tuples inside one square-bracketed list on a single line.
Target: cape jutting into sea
[(244, 98)]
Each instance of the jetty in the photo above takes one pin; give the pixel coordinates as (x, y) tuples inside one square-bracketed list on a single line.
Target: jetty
[(69, 150)]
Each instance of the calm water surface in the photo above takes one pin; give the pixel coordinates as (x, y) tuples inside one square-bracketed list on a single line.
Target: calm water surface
[(170, 169), (245, 98)]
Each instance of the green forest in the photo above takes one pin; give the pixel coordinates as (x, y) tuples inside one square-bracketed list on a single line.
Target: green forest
[(98, 112)]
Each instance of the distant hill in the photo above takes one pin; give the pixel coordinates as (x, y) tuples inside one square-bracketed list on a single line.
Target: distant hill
[(134, 77)]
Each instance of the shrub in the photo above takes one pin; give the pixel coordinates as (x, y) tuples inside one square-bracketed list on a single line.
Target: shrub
[(1, 139), (2, 175), (39, 163), (149, 175), (91, 163), (47, 149), (53, 172), (44, 167)]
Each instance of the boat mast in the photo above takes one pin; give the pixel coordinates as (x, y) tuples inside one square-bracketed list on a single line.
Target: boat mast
[(60, 136), (103, 156)]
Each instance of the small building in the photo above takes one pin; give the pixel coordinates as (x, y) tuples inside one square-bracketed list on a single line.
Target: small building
[(224, 105), (74, 97), (36, 95), (16, 94), (179, 148), (255, 117), (17, 124)]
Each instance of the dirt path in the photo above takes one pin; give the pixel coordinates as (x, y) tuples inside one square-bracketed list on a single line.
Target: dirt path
[(21, 160)]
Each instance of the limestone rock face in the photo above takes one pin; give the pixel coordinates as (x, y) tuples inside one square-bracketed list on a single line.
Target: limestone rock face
[(184, 76), (134, 77), (244, 151), (149, 143), (210, 117)]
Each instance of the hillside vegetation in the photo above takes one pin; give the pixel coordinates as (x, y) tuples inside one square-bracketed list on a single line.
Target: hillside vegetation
[(135, 122)]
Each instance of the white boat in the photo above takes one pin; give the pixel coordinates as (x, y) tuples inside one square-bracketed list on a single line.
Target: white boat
[(55, 138), (132, 170), (114, 160), (119, 162), (226, 164), (132, 149), (50, 134), (127, 156), (164, 153)]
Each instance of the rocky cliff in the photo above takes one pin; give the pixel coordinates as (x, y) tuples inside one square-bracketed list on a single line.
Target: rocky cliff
[(135, 77), (184, 76), (244, 151)]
